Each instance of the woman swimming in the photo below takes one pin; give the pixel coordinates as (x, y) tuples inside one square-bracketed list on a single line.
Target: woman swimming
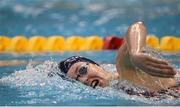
[(133, 64)]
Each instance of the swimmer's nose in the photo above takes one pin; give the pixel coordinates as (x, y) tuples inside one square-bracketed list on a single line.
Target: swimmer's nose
[(83, 79)]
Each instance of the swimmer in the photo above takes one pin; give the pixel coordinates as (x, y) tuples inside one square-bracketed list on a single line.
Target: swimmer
[(132, 63)]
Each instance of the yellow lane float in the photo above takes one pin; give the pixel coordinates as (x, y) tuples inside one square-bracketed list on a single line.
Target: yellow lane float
[(36, 43), (169, 43), (74, 43), (58, 43), (178, 44), (55, 43), (152, 41), (4, 42), (18, 44), (93, 43)]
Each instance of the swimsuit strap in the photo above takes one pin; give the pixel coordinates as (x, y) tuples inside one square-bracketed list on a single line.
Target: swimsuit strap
[(145, 93), (173, 91)]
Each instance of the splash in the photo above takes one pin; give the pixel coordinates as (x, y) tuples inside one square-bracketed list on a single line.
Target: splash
[(35, 87), (156, 54)]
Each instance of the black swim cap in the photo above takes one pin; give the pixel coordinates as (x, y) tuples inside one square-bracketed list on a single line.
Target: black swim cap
[(67, 63)]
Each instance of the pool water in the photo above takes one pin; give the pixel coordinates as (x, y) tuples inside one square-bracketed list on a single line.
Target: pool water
[(23, 78), (87, 17), (29, 84)]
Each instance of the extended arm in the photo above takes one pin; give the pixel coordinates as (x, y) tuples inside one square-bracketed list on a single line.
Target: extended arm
[(136, 38), (136, 41)]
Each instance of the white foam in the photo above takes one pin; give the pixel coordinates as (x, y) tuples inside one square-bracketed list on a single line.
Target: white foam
[(35, 84)]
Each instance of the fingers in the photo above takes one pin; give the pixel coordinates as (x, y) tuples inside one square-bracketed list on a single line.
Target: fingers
[(166, 69), (156, 72), (161, 72), (156, 60), (160, 75), (161, 64), (154, 66)]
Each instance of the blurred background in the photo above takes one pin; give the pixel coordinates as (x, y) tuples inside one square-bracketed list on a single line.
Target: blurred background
[(87, 17), (83, 18), (75, 18)]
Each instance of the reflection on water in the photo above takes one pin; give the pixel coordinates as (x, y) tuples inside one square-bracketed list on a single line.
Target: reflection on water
[(34, 87), (87, 17)]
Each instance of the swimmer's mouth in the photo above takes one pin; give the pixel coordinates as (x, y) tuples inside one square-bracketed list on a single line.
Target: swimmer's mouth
[(94, 83)]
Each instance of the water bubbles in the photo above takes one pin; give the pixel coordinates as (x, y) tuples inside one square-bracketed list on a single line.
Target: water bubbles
[(95, 7), (74, 18), (153, 52), (109, 67), (27, 11), (82, 23), (36, 87), (57, 16), (18, 8), (42, 84)]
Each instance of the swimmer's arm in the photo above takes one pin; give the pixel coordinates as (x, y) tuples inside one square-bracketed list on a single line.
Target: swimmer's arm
[(136, 42), (136, 38)]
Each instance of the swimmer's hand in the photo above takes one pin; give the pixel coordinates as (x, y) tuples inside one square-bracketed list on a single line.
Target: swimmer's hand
[(152, 65)]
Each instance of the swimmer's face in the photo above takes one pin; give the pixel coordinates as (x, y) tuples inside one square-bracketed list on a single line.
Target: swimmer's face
[(89, 74)]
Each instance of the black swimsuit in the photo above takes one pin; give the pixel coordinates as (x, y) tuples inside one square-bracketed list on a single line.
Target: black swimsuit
[(173, 92)]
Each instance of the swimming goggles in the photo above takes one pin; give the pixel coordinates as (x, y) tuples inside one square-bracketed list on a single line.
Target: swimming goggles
[(82, 71)]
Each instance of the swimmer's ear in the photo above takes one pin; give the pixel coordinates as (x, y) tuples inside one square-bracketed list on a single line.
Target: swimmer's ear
[(62, 67)]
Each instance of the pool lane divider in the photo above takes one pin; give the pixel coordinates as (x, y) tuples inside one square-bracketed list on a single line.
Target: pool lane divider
[(5, 63), (113, 42), (77, 43)]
